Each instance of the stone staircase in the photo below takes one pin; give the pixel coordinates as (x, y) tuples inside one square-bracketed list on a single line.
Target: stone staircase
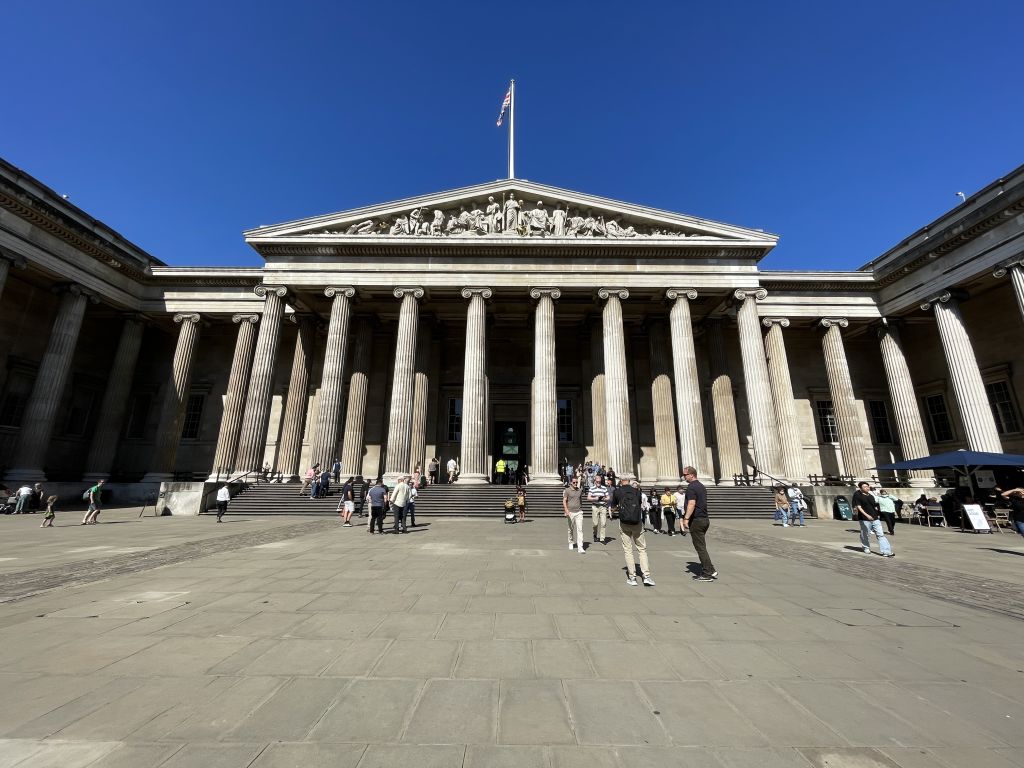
[(480, 501)]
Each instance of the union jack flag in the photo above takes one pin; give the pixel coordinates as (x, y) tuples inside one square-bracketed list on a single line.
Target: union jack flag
[(506, 102)]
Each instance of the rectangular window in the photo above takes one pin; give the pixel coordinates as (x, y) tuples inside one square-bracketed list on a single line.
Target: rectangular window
[(454, 419), (565, 421), (193, 416), (826, 421), (939, 426), (1003, 407), (879, 415), (80, 410), (138, 415), (16, 394)]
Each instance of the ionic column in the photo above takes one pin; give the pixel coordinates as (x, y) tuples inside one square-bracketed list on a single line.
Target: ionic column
[(620, 442), (848, 423), (664, 413), (168, 435), (115, 401), (1015, 268), (689, 413), (7, 260), (421, 400), (968, 386), (403, 382), (763, 426), (474, 389), (41, 411), (544, 390), (598, 417), (355, 415), (298, 401), (727, 434), (252, 442), (234, 397), (790, 444), (324, 446), (909, 425)]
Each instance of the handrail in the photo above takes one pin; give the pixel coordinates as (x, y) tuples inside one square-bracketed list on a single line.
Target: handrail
[(202, 501)]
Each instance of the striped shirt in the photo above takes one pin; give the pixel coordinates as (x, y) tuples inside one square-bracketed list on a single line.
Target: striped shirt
[(598, 496)]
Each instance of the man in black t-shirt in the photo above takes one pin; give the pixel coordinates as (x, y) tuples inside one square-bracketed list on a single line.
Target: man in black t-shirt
[(695, 518), (868, 515)]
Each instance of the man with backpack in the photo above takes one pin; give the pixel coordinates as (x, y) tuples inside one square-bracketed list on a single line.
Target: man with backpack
[(93, 496), (626, 501)]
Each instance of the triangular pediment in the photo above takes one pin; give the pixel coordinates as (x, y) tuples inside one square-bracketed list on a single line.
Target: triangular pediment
[(510, 209)]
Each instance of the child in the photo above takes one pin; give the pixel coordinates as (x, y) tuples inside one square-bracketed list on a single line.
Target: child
[(49, 516), (521, 503)]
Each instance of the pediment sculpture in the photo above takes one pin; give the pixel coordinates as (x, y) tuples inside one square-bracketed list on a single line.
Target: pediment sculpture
[(510, 217)]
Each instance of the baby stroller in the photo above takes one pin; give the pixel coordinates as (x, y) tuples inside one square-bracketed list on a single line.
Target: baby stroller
[(8, 506), (510, 511)]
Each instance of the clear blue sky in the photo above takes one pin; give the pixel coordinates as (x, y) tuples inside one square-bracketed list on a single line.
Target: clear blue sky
[(842, 127)]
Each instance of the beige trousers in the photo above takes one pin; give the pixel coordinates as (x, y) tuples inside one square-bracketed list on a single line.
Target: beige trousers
[(575, 524), (631, 535), (599, 516)]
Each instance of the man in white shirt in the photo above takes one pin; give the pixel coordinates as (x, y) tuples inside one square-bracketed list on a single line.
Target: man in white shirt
[(680, 499), (24, 494), (399, 499), (223, 497), (453, 468)]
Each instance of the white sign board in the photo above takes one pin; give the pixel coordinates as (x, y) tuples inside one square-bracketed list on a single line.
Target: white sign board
[(977, 517), (986, 478)]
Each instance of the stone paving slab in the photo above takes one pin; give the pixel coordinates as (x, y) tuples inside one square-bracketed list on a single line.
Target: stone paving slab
[(473, 643)]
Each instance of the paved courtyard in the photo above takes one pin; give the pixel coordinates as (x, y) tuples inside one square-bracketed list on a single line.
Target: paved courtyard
[(294, 642)]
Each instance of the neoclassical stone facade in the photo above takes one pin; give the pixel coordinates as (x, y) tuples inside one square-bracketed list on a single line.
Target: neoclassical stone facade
[(508, 319)]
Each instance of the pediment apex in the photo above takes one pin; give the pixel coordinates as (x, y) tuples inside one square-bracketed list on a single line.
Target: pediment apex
[(508, 209)]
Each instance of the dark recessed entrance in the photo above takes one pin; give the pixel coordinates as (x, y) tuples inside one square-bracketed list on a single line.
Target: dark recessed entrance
[(511, 443)]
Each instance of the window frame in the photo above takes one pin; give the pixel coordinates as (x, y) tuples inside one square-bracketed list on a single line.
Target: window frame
[(568, 412), (453, 420), (873, 420), (933, 436), (197, 418), (819, 426), (1010, 403)]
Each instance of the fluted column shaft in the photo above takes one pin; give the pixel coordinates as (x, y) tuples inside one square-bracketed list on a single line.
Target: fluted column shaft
[(252, 442), (290, 451), (544, 390), (168, 435), (968, 386), (420, 399), (689, 413), (324, 447), (909, 426), (620, 440), (763, 425), (355, 415), (848, 422), (235, 396), (474, 389), (727, 434), (115, 401), (598, 417), (403, 380), (6, 261), (663, 411), (41, 411), (791, 447)]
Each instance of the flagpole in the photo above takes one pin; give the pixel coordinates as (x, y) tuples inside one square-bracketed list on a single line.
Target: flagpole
[(512, 130)]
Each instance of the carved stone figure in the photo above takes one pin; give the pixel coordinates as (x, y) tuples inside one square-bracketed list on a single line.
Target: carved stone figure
[(362, 228), (575, 225), (493, 220), (614, 229), (537, 220), (401, 226), (415, 221), (511, 214), (477, 221), (557, 224), (437, 225)]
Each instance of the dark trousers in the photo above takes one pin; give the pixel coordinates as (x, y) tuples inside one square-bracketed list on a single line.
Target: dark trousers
[(377, 518), (655, 516), (670, 519), (399, 514), (698, 530), (889, 518), (410, 510), (222, 507)]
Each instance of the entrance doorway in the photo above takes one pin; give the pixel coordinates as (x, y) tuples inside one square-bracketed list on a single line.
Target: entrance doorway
[(511, 443)]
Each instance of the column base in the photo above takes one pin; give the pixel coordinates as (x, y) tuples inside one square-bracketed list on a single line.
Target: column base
[(546, 479), (672, 482), (473, 478), (25, 476), (157, 477)]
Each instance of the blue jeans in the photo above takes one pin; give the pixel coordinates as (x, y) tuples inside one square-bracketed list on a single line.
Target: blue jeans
[(1019, 525), (795, 511), (874, 526)]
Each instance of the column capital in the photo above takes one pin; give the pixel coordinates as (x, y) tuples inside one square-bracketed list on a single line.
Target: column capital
[(245, 318), (345, 290), (186, 317), (887, 325), (768, 322), (263, 290), (944, 297), (828, 322), (757, 294), (18, 262), (606, 293), (483, 293), (76, 290), (1004, 269), (413, 290), (554, 293), (672, 294)]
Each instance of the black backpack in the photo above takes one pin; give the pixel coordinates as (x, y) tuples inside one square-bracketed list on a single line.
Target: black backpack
[(629, 506)]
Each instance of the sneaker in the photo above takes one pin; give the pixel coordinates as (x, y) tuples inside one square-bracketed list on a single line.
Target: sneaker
[(347, 525), (891, 554), (714, 575), (704, 577), (583, 551), (648, 581), (785, 525), (631, 581), (867, 551)]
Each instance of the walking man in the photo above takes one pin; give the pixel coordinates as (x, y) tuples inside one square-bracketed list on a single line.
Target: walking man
[(867, 515), (453, 470), (695, 518), (626, 501), (307, 481), (378, 498), (571, 505), (94, 496), (347, 505), (336, 470), (399, 498), (410, 506), (598, 498), (797, 504), (223, 497)]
